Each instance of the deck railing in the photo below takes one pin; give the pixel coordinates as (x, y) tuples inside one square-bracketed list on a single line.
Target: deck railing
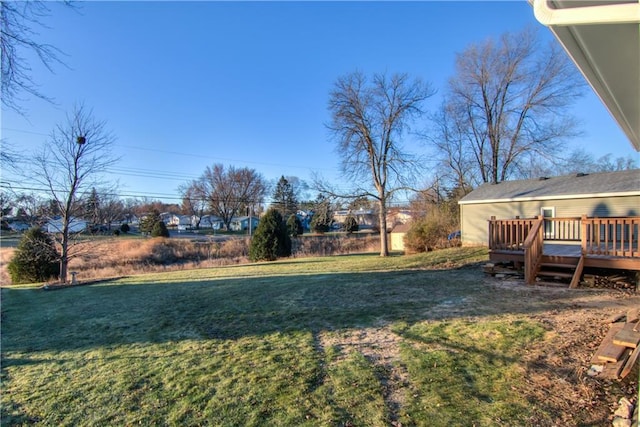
[(562, 229), (533, 249), (509, 234), (617, 237), (610, 236)]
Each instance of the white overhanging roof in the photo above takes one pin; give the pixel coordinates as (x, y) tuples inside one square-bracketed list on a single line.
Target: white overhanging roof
[(602, 37)]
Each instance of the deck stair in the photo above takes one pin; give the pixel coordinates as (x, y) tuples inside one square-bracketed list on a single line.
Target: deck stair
[(559, 273)]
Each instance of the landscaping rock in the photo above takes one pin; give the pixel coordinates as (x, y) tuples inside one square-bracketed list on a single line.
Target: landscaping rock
[(621, 422), (625, 409)]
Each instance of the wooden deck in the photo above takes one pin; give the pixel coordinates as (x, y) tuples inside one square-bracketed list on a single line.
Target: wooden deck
[(571, 242)]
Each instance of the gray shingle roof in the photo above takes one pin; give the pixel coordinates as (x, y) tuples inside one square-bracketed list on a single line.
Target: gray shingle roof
[(604, 183)]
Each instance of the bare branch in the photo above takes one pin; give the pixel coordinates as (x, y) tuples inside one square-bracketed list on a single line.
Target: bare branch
[(506, 104)]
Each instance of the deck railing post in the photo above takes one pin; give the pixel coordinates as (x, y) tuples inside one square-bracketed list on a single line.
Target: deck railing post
[(583, 234)]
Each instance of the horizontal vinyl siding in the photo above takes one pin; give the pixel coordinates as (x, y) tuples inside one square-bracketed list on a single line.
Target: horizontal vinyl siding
[(474, 217)]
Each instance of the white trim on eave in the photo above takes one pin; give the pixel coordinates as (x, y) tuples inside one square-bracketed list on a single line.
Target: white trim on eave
[(615, 13), (544, 198)]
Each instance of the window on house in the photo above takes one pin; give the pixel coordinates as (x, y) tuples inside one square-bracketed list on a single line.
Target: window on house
[(549, 227)]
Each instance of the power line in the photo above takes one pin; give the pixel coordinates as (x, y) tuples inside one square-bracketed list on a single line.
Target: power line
[(198, 155), (164, 196)]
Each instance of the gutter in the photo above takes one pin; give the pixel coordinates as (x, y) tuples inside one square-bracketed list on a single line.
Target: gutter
[(620, 13)]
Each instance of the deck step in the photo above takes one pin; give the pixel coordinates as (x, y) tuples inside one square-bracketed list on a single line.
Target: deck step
[(554, 265), (551, 284), (561, 274)]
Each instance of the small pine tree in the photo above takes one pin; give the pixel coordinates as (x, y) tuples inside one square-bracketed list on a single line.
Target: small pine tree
[(149, 221), (159, 230), (271, 239), (294, 226), (35, 259), (351, 224)]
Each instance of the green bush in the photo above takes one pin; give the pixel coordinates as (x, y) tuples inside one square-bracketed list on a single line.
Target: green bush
[(320, 223), (125, 228), (294, 226), (35, 259), (351, 224), (159, 230), (271, 239)]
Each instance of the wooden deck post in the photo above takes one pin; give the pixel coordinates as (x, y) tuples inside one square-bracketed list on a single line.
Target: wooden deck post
[(583, 235)]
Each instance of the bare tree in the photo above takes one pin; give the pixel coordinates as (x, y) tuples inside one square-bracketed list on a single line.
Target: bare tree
[(30, 206), (69, 166), (19, 24), (369, 120), (231, 191), (194, 201), (507, 102), (112, 208)]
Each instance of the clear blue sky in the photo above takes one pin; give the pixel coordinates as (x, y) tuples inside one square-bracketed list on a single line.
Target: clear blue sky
[(184, 85)]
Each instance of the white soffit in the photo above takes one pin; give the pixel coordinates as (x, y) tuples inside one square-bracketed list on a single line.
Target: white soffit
[(603, 39)]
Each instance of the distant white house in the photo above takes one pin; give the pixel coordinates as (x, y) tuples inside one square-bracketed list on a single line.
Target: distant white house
[(208, 221), (242, 223), (179, 221), (76, 225)]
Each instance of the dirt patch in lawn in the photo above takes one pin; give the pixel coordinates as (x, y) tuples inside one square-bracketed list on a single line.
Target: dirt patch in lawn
[(556, 379), (381, 347)]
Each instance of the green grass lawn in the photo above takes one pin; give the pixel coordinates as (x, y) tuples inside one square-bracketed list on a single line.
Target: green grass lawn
[(243, 345)]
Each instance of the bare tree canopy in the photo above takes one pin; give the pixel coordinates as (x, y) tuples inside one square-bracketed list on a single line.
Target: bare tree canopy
[(369, 120), (507, 102), (229, 192), (194, 201), (70, 165), (19, 22)]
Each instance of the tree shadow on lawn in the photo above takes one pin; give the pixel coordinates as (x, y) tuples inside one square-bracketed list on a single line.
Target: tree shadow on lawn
[(112, 314)]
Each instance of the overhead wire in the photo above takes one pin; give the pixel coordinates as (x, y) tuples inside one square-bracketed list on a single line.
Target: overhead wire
[(164, 175)]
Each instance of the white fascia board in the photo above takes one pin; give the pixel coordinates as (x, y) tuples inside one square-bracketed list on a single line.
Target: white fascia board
[(543, 198), (616, 13)]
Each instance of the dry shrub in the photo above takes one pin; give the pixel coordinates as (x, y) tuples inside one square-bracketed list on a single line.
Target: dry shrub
[(235, 249), (117, 257), (5, 257), (431, 231), (325, 245)]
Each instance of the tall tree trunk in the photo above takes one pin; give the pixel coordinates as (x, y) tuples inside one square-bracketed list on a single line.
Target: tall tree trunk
[(382, 217), (64, 252)]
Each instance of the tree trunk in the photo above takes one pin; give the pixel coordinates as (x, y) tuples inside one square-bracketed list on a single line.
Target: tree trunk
[(382, 217), (64, 252)]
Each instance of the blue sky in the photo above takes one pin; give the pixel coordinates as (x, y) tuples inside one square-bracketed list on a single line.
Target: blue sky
[(184, 85)]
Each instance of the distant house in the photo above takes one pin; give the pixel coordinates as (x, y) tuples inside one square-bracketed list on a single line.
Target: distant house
[(76, 225), (365, 218), (608, 194), (242, 223), (397, 216), (209, 221), (18, 226), (305, 219)]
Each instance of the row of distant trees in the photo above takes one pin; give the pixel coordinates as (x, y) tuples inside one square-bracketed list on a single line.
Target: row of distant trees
[(505, 114)]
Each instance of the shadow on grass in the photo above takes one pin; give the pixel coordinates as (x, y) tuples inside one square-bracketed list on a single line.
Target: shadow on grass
[(112, 314)]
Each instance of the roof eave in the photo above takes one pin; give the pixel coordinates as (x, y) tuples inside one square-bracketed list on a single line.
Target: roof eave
[(564, 24), (546, 198)]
